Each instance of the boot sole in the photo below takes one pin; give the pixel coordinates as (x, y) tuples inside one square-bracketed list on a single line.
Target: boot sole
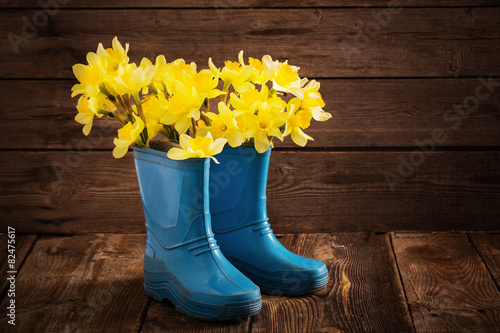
[(277, 286), (195, 309)]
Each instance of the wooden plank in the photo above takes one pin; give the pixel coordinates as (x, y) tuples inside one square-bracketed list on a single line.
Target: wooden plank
[(364, 293), (391, 113), (222, 4), (447, 286), (70, 193), (488, 245), (423, 42), (23, 244), (339, 191), (162, 317), (84, 283)]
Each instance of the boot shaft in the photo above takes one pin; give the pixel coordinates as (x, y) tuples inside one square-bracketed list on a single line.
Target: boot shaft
[(174, 195), (238, 188)]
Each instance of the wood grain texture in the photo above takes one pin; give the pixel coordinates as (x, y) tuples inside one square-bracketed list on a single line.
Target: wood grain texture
[(366, 113), (447, 286), (88, 283), (488, 245), (422, 42), (364, 293), (162, 317), (222, 4), (22, 246), (340, 191)]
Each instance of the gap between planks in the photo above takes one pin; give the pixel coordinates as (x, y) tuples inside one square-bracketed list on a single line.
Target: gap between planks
[(447, 283)]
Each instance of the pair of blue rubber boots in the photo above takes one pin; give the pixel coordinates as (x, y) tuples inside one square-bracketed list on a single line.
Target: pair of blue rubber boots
[(209, 247)]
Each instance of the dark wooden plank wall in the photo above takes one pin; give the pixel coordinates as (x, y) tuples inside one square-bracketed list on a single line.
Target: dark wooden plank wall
[(389, 93), (247, 4)]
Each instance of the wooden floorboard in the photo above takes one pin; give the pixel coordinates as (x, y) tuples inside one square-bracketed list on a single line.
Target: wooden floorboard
[(23, 244), (87, 283), (364, 293), (435, 283), (488, 246), (447, 285), (162, 317)]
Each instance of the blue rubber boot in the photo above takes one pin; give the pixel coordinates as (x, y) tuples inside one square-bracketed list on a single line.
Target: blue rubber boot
[(182, 261), (240, 223)]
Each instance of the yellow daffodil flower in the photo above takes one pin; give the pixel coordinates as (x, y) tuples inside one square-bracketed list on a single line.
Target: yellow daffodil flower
[(297, 121), (160, 76), (285, 77), (249, 101), (118, 83), (87, 76), (205, 84), (115, 56), (261, 126), (184, 105), (85, 115), (128, 135), (133, 79), (104, 61), (240, 123), (178, 70), (154, 109), (98, 101), (313, 103), (259, 75), (234, 74), (198, 147), (223, 125), (147, 97), (276, 105)]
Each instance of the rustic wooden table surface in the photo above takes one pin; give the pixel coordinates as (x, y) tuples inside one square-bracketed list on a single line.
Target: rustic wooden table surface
[(379, 282)]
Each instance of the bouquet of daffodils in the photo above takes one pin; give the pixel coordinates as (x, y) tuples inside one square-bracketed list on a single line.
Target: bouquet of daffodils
[(173, 100)]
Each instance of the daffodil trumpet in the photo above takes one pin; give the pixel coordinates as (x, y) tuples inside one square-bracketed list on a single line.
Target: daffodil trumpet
[(172, 101)]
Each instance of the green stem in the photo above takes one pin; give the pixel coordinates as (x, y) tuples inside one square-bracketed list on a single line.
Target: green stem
[(165, 131), (153, 89), (121, 116), (193, 122), (207, 105), (126, 108), (223, 96), (174, 133)]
